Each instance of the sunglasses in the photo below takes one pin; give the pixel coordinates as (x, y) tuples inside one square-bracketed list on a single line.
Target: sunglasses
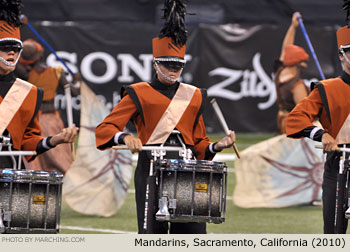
[(9, 48), (172, 65)]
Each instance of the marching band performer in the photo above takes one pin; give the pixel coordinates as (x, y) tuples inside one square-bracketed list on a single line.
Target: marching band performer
[(32, 69), (157, 108), (19, 100), (328, 100), (290, 87)]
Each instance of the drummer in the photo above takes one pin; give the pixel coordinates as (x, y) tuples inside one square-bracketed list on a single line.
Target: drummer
[(20, 101), (148, 105), (328, 100)]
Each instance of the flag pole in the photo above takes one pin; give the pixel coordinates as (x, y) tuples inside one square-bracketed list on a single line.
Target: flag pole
[(310, 47), (24, 20)]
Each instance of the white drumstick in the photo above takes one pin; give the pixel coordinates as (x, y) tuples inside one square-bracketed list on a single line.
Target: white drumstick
[(17, 153), (223, 122), (220, 116), (341, 149)]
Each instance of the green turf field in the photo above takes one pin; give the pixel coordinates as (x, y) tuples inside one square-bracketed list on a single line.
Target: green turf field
[(301, 219)]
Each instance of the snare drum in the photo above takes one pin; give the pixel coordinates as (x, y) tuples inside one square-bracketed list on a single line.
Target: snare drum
[(191, 190), (30, 201)]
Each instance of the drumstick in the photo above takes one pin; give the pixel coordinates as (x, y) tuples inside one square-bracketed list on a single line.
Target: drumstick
[(223, 123), (17, 153), (340, 149)]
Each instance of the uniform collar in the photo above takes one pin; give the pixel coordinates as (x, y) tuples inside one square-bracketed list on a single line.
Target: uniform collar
[(7, 78), (6, 82), (345, 77), (155, 83)]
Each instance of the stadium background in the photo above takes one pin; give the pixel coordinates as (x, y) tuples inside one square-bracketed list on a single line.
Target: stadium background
[(231, 48)]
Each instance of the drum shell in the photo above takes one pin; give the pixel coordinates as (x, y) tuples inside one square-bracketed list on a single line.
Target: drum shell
[(33, 199), (192, 203)]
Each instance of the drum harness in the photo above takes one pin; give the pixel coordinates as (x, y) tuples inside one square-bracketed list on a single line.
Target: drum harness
[(342, 205), (342, 210), (186, 153), (6, 141)]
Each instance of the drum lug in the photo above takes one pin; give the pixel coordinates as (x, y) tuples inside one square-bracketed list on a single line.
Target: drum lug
[(163, 212), (172, 203), (4, 216), (2, 226), (7, 215), (347, 213), (186, 154)]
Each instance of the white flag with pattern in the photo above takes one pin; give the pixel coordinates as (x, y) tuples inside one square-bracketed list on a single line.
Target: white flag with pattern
[(97, 182)]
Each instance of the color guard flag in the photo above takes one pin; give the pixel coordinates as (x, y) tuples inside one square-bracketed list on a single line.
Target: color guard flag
[(279, 172), (97, 182)]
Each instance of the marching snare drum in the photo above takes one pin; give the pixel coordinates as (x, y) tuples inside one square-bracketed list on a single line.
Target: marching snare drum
[(191, 190), (30, 201)]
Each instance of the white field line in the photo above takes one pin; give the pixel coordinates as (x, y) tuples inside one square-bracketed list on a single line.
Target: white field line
[(97, 230)]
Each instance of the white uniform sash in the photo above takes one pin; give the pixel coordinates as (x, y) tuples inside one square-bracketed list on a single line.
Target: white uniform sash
[(172, 114), (343, 136), (12, 102)]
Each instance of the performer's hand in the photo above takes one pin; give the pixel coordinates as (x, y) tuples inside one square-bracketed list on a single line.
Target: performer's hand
[(75, 86), (133, 143), (226, 142), (77, 77), (295, 21), (67, 135), (329, 143)]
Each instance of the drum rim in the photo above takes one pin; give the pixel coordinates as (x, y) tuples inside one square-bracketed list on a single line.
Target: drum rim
[(192, 161), (30, 175), (192, 165)]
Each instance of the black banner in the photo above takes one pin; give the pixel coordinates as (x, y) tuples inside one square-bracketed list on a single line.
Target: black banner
[(236, 66), (233, 63)]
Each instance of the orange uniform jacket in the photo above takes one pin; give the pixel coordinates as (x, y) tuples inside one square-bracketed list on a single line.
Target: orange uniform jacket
[(24, 127), (145, 106), (338, 99)]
